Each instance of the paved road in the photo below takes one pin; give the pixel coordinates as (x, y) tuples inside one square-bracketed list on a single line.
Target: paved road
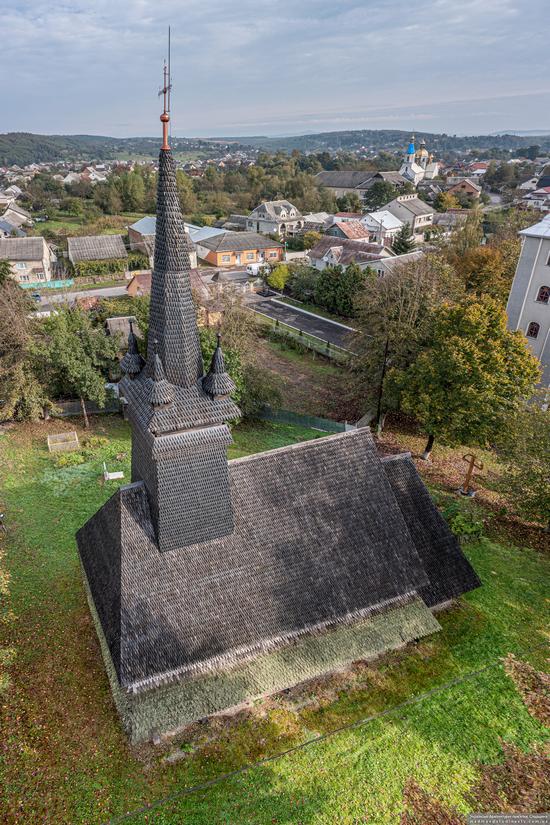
[(314, 325)]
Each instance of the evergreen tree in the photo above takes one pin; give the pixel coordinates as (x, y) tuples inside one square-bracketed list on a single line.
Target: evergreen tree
[(379, 194), (404, 240)]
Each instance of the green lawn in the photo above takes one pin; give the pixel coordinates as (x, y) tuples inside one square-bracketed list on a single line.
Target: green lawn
[(63, 758)]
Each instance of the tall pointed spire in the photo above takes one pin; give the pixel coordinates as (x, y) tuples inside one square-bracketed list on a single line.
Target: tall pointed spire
[(172, 316)]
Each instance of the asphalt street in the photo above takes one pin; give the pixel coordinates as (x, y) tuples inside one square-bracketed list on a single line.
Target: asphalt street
[(322, 328)]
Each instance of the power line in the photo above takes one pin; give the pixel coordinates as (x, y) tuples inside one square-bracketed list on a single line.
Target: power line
[(202, 786)]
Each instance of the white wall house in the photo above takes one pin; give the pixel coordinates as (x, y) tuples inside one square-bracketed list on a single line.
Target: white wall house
[(410, 209), (30, 259), (279, 218), (529, 301)]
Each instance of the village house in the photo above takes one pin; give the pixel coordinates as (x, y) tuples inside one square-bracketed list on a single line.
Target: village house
[(330, 251), (528, 305), (31, 259), (8, 230), (279, 218), (17, 216), (538, 199), (239, 249), (382, 226), (466, 187), (388, 266), (410, 209), (352, 230), (141, 285), (212, 583)]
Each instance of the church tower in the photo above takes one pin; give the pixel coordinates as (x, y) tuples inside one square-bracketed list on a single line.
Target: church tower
[(410, 168), (177, 413)]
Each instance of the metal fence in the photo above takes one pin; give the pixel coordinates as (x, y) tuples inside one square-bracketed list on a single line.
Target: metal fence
[(304, 339), (312, 422), (66, 409)]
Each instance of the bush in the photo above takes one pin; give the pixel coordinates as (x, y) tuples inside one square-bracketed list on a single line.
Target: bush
[(69, 459), (462, 523)]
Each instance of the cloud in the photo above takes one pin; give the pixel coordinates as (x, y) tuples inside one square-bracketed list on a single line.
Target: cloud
[(92, 67)]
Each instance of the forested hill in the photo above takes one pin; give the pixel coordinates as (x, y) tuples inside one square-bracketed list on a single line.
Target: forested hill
[(23, 148), (392, 139)]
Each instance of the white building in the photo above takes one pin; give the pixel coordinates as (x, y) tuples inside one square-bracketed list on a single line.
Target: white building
[(529, 301), (539, 199), (418, 164), (382, 226), (279, 218), (410, 209)]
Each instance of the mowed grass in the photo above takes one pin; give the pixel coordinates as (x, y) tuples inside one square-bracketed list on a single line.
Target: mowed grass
[(64, 758)]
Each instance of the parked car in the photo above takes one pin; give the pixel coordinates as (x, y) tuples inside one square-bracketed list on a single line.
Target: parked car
[(255, 269)]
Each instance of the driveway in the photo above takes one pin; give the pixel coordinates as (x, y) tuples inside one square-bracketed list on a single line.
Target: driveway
[(322, 328)]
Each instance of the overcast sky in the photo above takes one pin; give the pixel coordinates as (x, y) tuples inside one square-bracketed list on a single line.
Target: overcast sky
[(275, 66)]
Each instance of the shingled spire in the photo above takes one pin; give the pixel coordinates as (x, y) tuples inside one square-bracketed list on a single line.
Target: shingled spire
[(178, 415), (132, 363), (217, 382), (172, 314)]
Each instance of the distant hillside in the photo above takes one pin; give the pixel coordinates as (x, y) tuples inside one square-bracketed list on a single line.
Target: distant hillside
[(391, 139), (23, 148)]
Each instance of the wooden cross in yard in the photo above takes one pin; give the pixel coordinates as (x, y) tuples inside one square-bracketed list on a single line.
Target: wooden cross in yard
[(466, 490)]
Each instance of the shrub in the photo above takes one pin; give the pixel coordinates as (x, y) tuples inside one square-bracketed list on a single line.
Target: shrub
[(462, 523)]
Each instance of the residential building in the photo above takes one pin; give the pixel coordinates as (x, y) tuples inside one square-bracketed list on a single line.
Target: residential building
[(8, 230), (96, 248), (447, 222), (410, 209), (352, 230), (315, 221), (529, 300), (211, 582), (17, 216), (466, 187), (382, 226), (388, 266), (239, 249), (539, 199), (530, 184), (31, 259), (279, 218), (330, 251)]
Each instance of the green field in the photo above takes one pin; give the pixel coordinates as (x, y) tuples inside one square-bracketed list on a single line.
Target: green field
[(64, 759)]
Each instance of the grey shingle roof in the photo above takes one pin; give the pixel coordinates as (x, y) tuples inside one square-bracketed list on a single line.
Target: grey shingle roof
[(449, 571), (318, 540), (96, 248), (239, 241), (21, 249)]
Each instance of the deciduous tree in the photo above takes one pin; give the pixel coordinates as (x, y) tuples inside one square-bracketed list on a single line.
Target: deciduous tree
[(525, 450), (76, 357), (473, 377)]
